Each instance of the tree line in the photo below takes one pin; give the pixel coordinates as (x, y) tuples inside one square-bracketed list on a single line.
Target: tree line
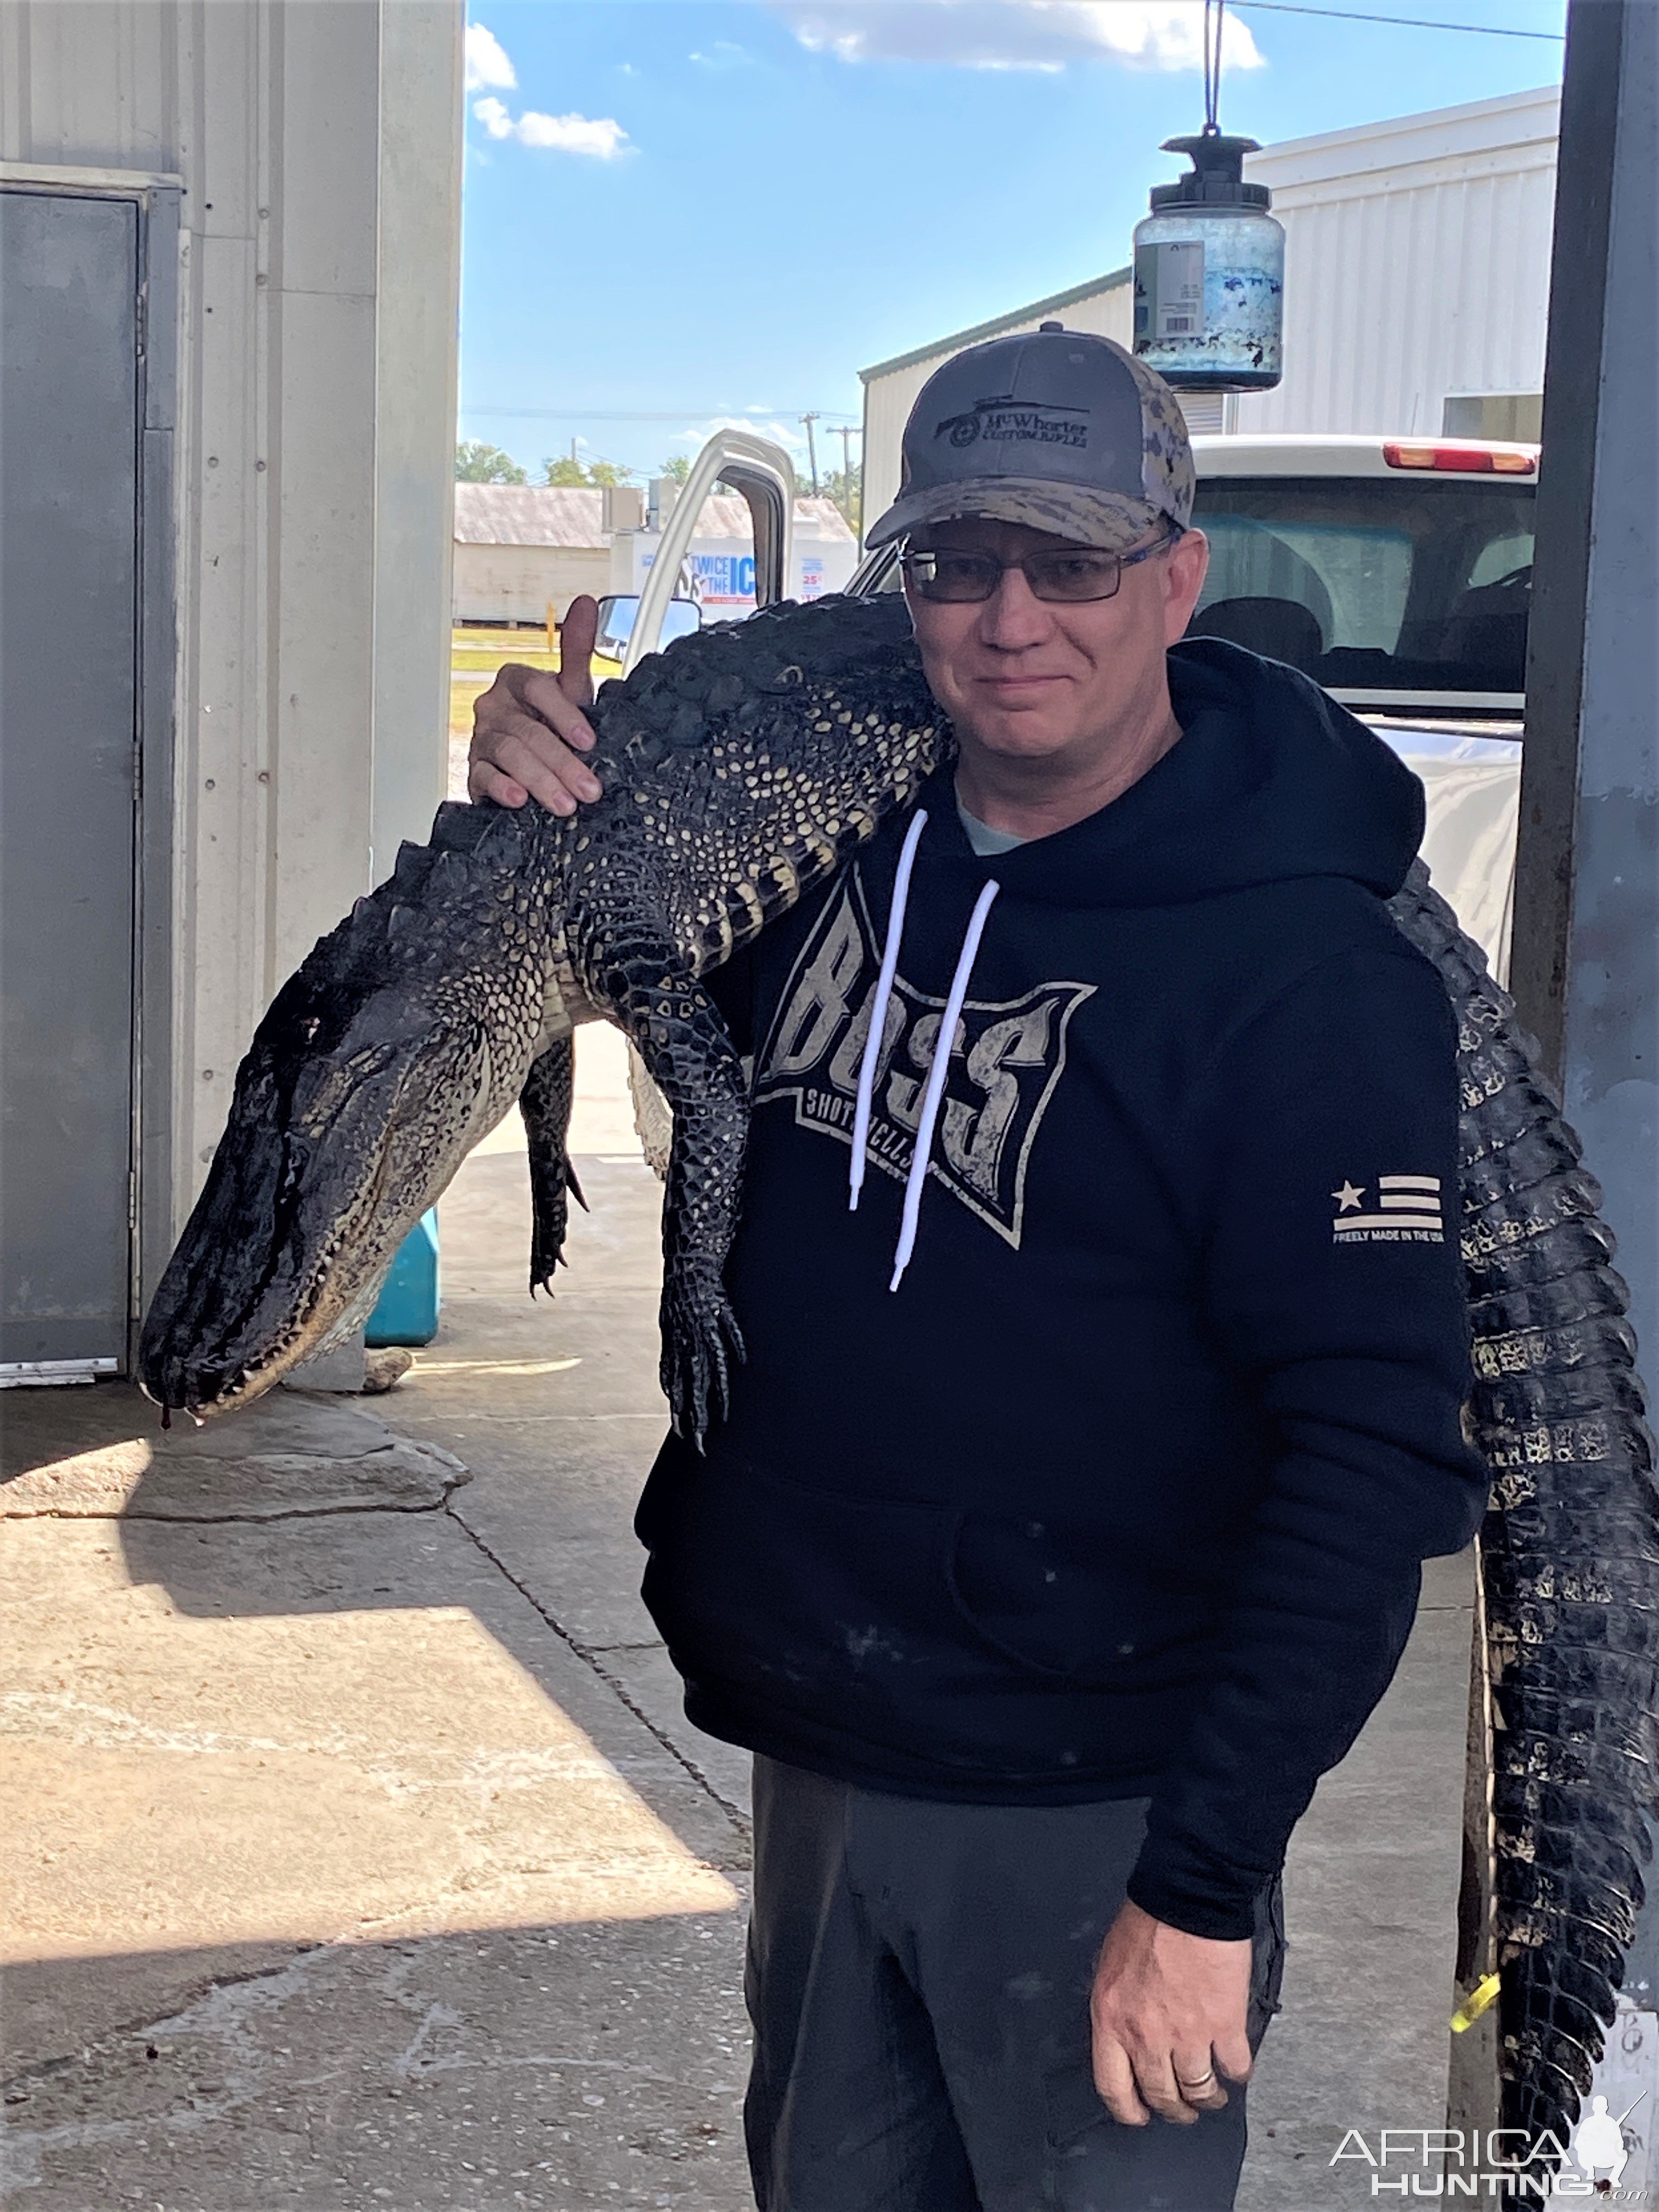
[(478, 463)]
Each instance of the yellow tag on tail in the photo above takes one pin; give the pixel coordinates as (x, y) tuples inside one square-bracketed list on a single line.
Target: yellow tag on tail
[(1483, 1995)]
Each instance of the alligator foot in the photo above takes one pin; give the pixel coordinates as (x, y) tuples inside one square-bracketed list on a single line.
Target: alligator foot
[(700, 1339), (688, 1053), (546, 1103)]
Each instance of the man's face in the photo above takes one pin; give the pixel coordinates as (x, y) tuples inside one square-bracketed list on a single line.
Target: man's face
[(1033, 678)]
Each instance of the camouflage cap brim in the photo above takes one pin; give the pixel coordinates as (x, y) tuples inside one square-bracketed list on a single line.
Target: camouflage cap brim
[(1109, 519)]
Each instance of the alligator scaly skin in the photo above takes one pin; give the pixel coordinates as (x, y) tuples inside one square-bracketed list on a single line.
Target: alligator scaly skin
[(1569, 1549)]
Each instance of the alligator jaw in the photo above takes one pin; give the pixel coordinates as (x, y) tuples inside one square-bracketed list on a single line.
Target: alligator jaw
[(302, 1215)]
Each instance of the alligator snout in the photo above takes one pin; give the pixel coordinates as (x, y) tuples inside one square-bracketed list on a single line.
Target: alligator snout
[(348, 1119)]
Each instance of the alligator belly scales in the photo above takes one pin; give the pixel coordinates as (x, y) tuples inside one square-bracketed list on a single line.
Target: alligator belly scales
[(740, 767)]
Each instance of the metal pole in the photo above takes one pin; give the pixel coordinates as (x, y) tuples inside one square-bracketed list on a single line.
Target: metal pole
[(809, 418), (846, 432), (1585, 967)]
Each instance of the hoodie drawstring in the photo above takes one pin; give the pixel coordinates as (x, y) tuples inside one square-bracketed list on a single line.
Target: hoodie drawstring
[(936, 1075), (933, 1097), (879, 1004)]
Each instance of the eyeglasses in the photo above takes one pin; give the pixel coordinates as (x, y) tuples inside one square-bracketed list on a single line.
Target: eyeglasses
[(1071, 576)]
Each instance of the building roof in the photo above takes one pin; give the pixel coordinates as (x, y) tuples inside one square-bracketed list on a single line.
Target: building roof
[(1514, 118), (724, 515), (527, 515), (1035, 309), (560, 514)]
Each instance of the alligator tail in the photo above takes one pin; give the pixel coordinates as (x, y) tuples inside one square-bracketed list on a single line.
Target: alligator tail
[(1569, 1549)]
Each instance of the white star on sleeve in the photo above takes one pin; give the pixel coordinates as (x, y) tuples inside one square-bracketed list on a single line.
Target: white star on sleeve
[(1348, 1198)]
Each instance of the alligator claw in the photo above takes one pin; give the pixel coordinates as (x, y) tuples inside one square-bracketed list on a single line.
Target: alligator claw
[(700, 1339)]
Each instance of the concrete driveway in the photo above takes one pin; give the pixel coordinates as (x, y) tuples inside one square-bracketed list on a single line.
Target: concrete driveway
[(359, 1854)]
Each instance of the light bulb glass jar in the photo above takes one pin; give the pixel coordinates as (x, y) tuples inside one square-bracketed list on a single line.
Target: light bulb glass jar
[(1210, 274)]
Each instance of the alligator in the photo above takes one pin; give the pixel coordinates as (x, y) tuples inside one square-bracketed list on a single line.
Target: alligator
[(740, 767)]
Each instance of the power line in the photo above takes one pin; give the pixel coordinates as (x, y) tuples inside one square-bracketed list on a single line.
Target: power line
[(1405, 22)]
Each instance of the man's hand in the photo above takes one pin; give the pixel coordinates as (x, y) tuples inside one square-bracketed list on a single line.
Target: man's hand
[(529, 732), (1167, 2008)]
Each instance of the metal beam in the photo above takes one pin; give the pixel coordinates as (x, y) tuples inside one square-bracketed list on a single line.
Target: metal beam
[(1585, 967)]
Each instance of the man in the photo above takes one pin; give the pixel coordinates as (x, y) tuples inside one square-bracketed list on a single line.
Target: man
[(1068, 1518)]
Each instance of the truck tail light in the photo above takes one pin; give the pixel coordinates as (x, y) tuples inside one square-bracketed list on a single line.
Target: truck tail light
[(1467, 460)]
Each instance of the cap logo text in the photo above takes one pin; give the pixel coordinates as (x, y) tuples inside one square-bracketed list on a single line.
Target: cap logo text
[(993, 419)]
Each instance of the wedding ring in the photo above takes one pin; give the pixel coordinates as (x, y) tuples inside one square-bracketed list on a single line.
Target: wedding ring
[(1202, 2082)]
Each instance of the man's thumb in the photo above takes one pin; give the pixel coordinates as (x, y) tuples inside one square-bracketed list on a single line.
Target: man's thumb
[(576, 634)]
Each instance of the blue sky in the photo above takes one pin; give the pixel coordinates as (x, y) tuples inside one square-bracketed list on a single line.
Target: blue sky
[(691, 209)]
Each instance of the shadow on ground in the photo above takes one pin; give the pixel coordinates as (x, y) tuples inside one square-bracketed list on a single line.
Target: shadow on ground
[(361, 1854)]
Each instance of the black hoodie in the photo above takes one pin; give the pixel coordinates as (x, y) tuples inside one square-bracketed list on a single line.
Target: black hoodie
[(1125, 1490)]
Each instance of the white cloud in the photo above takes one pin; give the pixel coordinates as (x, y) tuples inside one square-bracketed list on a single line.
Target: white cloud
[(789, 435), (1016, 34), (486, 62), (721, 54), (600, 138)]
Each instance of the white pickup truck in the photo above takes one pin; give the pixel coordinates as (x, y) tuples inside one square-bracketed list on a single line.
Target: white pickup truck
[(1396, 572)]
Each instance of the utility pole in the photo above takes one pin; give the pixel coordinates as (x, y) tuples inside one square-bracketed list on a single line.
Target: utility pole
[(1585, 965), (809, 418), (846, 432)]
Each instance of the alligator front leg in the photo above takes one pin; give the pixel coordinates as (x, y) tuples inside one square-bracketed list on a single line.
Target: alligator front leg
[(686, 1047), (546, 1103)]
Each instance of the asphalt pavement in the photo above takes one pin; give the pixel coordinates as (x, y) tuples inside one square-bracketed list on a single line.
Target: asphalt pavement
[(359, 1854)]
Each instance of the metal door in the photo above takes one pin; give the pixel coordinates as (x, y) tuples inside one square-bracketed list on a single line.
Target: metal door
[(69, 554)]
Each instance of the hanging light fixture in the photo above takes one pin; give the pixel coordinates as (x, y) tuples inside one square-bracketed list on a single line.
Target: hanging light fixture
[(1210, 260)]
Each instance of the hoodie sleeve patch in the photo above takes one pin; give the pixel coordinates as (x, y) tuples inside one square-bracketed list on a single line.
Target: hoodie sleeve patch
[(1407, 1211)]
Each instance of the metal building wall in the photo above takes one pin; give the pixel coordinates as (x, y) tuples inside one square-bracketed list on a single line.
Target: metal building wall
[(1417, 268), (1416, 265), (318, 147)]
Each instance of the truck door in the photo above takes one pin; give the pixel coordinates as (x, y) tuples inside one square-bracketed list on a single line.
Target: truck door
[(763, 475)]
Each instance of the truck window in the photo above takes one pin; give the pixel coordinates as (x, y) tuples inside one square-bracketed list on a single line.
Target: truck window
[(1372, 584)]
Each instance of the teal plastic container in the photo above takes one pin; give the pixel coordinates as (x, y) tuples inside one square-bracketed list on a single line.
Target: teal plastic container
[(408, 1308)]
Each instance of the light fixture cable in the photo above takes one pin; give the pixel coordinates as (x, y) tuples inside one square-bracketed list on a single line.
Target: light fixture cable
[(1214, 10)]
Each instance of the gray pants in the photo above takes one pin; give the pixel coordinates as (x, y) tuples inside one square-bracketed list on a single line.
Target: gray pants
[(918, 1977)]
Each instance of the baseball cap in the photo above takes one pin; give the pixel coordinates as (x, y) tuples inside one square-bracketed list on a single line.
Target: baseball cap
[(1059, 430)]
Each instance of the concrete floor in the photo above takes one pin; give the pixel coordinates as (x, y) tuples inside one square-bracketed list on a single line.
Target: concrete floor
[(359, 1853)]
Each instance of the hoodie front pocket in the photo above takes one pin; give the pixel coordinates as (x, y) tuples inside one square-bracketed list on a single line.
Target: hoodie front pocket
[(810, 1593), (1073, 1600)]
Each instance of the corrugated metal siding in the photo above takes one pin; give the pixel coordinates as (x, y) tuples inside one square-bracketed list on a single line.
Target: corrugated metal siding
[(1417, 265), (889, 396), (290, 527)]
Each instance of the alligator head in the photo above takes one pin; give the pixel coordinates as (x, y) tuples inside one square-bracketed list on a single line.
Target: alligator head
[(401, 1040)]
